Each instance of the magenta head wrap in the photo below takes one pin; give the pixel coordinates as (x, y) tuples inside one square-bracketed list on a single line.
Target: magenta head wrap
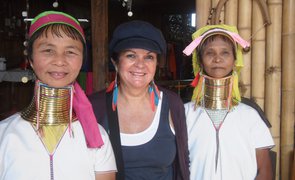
[(54, 17)]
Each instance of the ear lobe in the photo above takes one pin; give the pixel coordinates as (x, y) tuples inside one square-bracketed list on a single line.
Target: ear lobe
[(201, 65), (114, 64), (31, 64), (234, 67)]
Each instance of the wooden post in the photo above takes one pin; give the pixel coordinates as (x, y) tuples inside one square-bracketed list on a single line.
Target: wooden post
[(244, 26), (214, 3), (218, 15), (222, 14), (230, 12), (288, 89), (258, 56), (202, 12), (273, 73), (99, 25)]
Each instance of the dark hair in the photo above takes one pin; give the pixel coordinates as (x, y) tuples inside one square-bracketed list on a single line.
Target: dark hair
[(211, 39), (115, 56), (55, 29)]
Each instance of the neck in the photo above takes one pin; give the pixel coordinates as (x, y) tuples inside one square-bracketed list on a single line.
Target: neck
[(217, 93), (134, 96), (50, 106)]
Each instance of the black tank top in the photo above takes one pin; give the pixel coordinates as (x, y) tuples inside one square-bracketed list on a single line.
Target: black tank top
[(152, 160)]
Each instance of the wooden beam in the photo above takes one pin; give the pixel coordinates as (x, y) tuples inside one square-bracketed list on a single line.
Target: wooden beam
[(288, 90), (99, 28), (202, 12)]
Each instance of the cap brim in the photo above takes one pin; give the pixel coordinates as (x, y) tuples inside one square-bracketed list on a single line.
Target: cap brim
[(137, 43)]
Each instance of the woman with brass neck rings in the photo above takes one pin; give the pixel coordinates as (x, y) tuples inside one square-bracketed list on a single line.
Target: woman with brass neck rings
[(227, 139), (56, 137), (146, 123)]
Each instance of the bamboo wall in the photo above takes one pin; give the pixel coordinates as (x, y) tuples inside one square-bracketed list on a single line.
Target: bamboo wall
[(268, 75), (288, 86)]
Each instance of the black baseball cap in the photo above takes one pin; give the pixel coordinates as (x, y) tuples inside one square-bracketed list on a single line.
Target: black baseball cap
[(137, 34)]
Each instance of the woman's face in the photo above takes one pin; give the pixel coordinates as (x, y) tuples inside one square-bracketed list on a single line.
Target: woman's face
[(136, 67), (218, 58), (57, 60)]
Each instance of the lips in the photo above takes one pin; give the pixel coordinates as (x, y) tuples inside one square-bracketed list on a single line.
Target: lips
[(137, 73), (57, 75), (217, 68)]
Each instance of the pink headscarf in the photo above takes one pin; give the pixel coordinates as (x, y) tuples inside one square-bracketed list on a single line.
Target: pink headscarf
[(85, 114)]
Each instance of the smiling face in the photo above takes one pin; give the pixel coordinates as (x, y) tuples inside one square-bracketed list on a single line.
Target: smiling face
[(217, 57), (136, 67), (56, 60)]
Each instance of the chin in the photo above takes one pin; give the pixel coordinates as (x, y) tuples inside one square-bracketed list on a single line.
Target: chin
[(219, 75), (58, 85)]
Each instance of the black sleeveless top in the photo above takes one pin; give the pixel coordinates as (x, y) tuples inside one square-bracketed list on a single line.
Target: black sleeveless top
[(152, 160), (102, 106)]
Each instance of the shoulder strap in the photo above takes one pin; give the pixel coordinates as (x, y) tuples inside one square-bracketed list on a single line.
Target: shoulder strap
[(114, 130), (177, 112), (253, 104)]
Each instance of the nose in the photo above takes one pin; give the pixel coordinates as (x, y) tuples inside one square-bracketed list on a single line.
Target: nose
[(60, 60), (139, 62), (217, 59)]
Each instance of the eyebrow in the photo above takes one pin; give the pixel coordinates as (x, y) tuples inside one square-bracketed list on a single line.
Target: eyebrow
[(45, 44), (53, 45)]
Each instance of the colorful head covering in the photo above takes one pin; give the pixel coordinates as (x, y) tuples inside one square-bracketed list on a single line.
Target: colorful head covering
[(198, 38), (54, 17), (81, 104)]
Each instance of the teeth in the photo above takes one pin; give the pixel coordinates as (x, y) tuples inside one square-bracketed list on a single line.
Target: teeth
[(58, 74), (137, 74)]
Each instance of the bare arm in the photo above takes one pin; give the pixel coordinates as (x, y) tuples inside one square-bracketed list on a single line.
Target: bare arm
[(264, 167), (106, 176)]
